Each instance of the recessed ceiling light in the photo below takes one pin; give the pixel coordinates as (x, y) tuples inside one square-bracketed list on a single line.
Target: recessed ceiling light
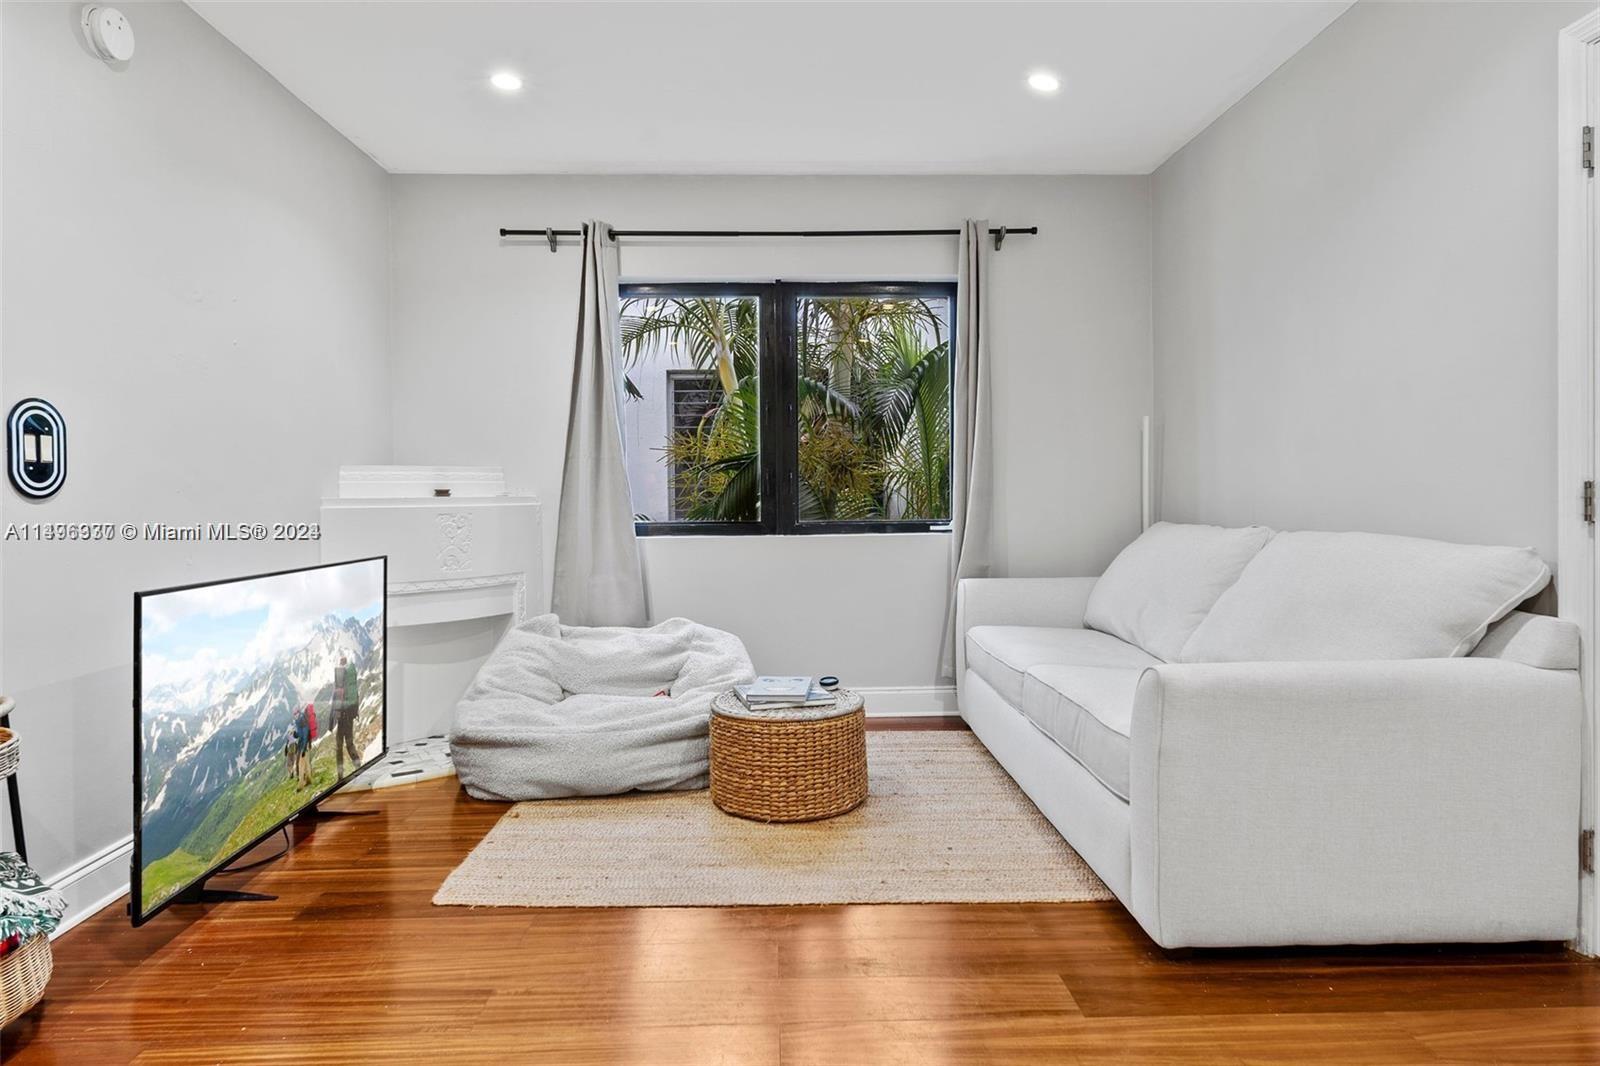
[(1042, 81), (506, 81)]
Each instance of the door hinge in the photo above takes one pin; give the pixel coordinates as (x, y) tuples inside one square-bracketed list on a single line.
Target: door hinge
[(1586, 851), (1588, 150), (1588, 502)]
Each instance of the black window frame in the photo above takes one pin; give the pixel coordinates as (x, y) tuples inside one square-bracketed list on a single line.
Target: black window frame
[(778, 370)]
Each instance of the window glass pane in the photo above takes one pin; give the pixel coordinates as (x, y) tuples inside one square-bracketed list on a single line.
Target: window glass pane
[(693, 397), (873, 397), (691, 416)]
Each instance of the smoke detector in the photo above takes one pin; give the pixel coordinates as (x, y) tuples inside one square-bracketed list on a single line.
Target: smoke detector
[(108, 33)]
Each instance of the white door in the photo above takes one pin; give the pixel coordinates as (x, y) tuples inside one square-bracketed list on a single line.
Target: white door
[(1578, 305)]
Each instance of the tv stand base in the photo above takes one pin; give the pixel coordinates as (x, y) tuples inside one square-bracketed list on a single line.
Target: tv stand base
[(315, 813), (199, 893)]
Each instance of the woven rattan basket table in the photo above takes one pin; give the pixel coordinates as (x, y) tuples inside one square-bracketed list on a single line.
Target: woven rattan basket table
[(797, 764)]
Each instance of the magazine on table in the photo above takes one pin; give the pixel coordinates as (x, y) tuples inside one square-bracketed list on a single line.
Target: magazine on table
[(759, 694), (777, 688)]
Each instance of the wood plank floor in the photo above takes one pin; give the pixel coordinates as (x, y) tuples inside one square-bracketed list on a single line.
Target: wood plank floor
[(353, 964)]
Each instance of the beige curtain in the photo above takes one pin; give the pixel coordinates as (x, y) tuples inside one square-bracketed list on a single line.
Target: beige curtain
[(598, 579), (971, 447)]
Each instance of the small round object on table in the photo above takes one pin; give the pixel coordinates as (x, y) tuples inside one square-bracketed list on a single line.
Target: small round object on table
[(793, 764)]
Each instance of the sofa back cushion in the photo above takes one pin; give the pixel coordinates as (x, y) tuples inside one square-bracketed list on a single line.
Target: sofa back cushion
[(1158, 590), (1311, 596)]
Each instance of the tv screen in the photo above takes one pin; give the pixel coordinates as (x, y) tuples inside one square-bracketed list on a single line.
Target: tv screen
[(253, 698)]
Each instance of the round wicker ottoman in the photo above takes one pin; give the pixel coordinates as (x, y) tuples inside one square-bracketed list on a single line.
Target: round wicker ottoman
[(797, 764)]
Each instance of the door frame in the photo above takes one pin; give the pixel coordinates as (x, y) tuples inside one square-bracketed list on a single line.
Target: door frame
[(1578, 63)]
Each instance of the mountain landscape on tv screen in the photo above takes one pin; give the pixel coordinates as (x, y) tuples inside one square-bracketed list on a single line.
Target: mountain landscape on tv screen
[(214, 771)]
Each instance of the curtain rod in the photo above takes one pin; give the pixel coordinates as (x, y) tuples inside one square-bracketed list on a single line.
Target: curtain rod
[(999, 233)]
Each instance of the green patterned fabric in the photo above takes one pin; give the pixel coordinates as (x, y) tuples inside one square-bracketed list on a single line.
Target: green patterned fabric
[(27, 905)]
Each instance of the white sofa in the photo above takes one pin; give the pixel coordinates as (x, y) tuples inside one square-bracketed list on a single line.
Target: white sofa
[(1357, 739)]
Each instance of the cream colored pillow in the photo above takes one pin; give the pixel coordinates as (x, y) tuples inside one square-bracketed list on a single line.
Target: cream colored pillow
[(1160, 587), (1321, 596)]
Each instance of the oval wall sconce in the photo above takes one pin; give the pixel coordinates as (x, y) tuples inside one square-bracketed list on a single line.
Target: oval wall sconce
[(36, 440)]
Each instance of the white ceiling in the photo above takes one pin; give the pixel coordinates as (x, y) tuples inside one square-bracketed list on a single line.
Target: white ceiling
[(769, 88)]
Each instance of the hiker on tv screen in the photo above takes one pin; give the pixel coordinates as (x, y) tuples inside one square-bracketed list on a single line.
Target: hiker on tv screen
[(346, 705), (302, 746)]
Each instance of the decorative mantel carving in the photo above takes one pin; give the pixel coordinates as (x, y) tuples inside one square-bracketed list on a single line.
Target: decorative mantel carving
[(455, 540)]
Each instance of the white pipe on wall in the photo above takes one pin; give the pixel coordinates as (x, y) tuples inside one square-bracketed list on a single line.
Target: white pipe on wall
[(1146, 480)]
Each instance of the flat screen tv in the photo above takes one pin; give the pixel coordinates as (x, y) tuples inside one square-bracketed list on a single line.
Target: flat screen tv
[(253, 698)]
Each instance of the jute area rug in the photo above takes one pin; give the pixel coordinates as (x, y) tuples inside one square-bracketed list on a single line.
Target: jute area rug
[(943, 823)]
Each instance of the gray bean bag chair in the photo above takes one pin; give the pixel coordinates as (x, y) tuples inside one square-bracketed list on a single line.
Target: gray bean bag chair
[(578, 711)]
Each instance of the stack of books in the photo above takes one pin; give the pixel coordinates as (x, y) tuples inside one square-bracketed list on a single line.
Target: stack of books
[(775, 693)]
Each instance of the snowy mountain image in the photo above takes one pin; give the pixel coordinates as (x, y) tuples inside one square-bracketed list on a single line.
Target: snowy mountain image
[(226, 673)]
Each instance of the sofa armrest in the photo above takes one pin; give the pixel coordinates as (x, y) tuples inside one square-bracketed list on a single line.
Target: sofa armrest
[(1355, 802), (1017, 601), (1532, 639)]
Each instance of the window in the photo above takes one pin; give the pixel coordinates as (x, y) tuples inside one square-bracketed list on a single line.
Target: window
[(691, 360), (788, 408)]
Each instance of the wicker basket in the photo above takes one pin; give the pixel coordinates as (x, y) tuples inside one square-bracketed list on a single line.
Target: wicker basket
[(23, 975), (777, 768), (10, 752)]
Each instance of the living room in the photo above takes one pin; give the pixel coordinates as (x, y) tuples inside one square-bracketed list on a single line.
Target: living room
[(1154, 442)]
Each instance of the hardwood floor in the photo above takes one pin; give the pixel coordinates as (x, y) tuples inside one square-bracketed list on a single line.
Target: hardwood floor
[(353, 964)]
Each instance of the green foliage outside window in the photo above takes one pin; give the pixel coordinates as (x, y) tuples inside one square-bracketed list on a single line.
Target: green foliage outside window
[(873, 395)]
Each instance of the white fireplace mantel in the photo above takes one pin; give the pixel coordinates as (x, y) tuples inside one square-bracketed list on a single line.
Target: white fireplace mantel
[(472, 554)]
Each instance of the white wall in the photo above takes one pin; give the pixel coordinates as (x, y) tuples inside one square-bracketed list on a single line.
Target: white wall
[(1355, 284), (195, 273), (482, 340)]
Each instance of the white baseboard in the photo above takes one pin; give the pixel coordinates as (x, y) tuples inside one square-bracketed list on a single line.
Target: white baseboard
[(93, 884), (918, 701)]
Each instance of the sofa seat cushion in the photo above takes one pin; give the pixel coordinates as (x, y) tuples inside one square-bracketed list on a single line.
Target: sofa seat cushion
[(1159, 589), (1088, 712), (1346, 596), (1002, 655)]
